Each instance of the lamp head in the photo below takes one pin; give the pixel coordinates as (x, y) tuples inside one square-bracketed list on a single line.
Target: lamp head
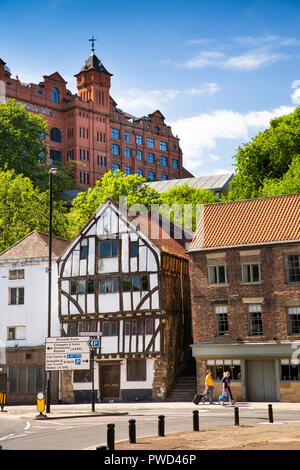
[(53, 171)]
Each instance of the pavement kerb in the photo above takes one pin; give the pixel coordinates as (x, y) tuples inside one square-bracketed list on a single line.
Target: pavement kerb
[(47, 417), (126, 440)]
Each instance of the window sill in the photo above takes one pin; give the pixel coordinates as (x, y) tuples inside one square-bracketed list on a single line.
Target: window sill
[(219, 285), (255, 337)]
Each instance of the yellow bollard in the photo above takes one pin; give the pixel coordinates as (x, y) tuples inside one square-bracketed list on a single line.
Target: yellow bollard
[(2, 400), (40, 403)]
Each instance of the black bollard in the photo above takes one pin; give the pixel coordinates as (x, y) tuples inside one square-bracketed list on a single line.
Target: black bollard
[(270, 414), (111, 436), (132, 431), (161, 425), (236, 416), (101, 448), (196, 420)]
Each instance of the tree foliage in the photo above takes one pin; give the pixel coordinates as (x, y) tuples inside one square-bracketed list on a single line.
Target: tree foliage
[(267, 156), (23, 147), (24, 208), (289, 183), (114, 186), (185, 203)]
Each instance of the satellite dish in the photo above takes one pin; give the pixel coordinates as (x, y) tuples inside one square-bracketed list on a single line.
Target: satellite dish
[(6, 68)]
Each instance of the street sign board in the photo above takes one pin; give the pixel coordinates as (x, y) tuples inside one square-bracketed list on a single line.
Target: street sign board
[(95, 343), (90, 333), (67, 353)]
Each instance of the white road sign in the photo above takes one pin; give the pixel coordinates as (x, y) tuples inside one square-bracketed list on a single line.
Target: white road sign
[(67, 353)]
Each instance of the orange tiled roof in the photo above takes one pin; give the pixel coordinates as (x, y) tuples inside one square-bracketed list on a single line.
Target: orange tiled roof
[(251, 221), (154, 230)]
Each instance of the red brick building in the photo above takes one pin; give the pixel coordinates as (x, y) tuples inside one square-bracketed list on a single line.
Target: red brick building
[(245, 287), (89, 129)]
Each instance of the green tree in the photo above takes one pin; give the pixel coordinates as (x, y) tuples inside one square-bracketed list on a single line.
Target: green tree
[(288, 184), (24, 208), (23, 147), (267, 156), (114, 186), (22, 136), (185, 204)]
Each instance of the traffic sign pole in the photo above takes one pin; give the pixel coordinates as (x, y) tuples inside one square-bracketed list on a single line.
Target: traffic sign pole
[(93, 380)]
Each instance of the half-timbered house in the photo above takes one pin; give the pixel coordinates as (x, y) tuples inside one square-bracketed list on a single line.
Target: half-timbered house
[(125, 277)]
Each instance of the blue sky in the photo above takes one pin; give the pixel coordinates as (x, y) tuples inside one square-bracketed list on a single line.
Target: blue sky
[(218, 70)]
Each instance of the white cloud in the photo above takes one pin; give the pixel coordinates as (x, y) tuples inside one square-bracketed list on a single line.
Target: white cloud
[(269, 39), (209, 89), (204, 59), (219, 171), (192, 42), (214, 157), (295, 96), (249, 61), (200, 135), (140, 102)]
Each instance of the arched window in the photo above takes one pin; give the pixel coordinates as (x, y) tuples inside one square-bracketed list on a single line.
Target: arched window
[(55, 135), (115, 167), (55, 95), (115, 149)]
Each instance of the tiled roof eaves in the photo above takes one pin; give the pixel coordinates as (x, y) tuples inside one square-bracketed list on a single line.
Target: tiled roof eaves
[(223, 247), (246, 222)]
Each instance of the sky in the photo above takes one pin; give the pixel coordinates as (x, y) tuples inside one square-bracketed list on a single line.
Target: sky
[(218, 70)]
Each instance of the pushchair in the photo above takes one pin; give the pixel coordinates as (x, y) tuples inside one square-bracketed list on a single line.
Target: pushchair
[(200, 396)]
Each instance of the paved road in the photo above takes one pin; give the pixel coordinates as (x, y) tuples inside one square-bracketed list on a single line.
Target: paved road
[(85, 433)]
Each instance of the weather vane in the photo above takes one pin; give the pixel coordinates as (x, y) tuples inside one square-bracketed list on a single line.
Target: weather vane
[(92, 40)]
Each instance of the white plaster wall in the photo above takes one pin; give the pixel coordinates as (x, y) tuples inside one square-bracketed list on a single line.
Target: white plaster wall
[(109, 302), (33, 315), (124, 384)]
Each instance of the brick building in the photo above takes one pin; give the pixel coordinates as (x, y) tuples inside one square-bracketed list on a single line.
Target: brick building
[(245, 287), (92, 132)]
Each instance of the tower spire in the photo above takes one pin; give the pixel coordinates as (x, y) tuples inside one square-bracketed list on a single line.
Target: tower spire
[(92, 40)]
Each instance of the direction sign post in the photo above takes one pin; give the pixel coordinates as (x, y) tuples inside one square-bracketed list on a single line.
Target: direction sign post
[(67, 353)]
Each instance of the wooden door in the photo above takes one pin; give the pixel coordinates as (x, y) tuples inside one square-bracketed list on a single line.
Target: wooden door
[(109, 381)]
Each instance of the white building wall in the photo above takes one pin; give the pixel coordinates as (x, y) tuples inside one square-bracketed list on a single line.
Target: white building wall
[(32, 317)]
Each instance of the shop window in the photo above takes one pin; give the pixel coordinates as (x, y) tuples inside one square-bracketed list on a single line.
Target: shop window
[(219, 366), (289, 370)]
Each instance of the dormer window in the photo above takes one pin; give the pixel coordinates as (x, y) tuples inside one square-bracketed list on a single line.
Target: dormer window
[(55, 95)]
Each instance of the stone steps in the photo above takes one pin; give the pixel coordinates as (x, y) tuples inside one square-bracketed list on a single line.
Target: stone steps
[(184, 389)]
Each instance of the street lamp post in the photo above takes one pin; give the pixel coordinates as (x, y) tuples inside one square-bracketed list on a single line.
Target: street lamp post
[(52, 171)]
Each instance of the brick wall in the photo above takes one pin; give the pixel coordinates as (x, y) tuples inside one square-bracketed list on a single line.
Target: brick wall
[(272, 293)]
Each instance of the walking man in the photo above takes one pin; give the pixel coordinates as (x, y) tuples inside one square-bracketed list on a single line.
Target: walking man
[(209, 385)]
